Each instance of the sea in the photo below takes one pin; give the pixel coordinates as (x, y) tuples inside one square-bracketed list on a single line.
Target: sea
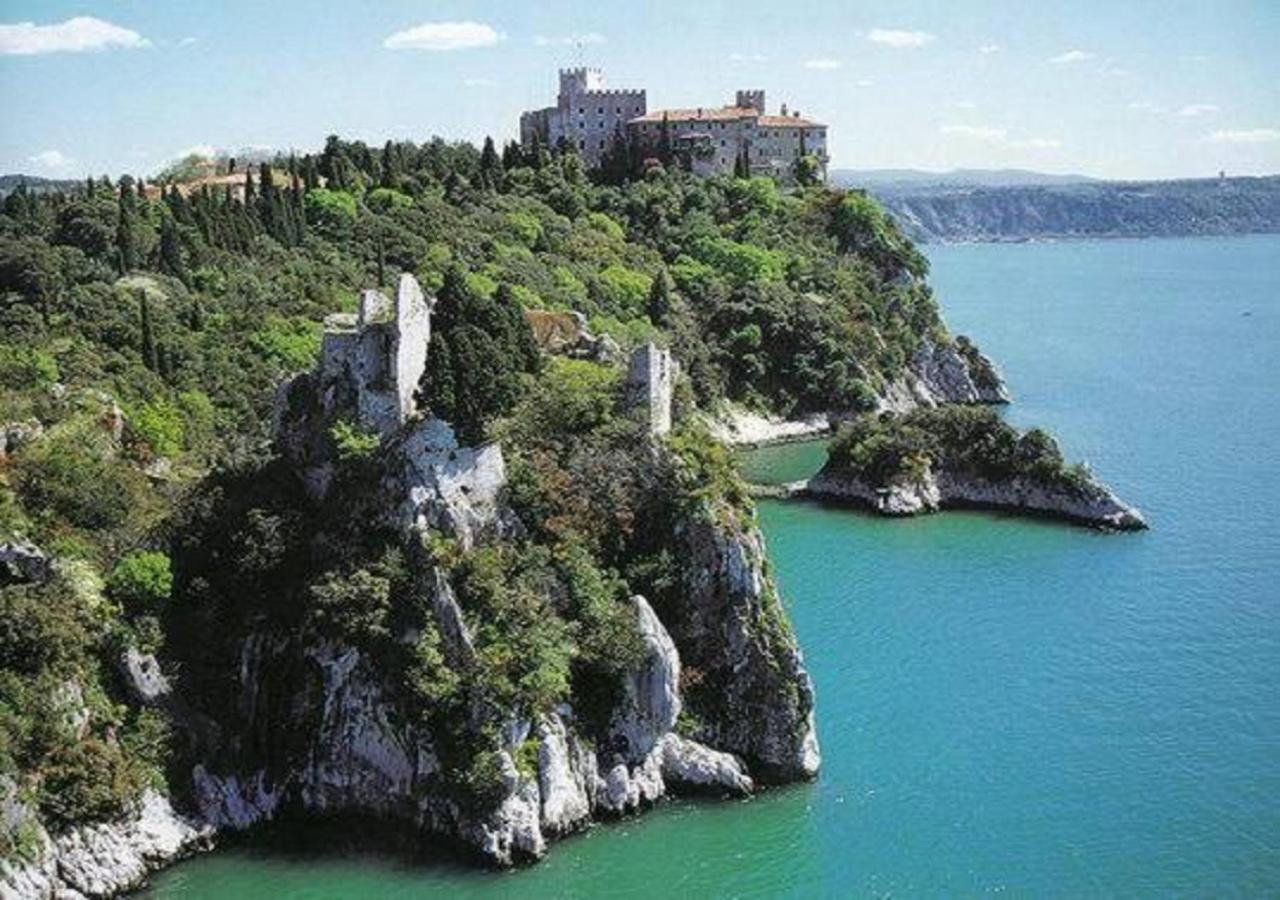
[(1005, 705)]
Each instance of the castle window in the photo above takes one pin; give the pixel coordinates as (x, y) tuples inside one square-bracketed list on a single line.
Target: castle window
[(582, 144), (599, 110)]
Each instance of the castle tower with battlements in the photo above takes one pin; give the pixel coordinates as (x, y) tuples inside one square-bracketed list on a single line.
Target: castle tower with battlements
[(587, 115)]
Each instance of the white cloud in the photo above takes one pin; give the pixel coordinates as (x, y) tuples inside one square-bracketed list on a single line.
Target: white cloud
[(994, 135), (1246, 136), (977, 132), (1196, 110), (895, 37), (568, 40), (988, 49), (444, 36), (965, 104), (826, 64), (73, 35), (747, 57), (188, 41), (1146, 106), (478, 82), (863, 82), (1071, 56), (1036, 143), (52, 160)]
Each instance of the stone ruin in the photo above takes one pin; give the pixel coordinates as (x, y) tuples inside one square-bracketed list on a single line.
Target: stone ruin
[(376, 357), (651, 379)]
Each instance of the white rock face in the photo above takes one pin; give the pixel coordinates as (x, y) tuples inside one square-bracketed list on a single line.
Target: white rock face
[(651, 701), (567, 777), (105, 859), (446, 487), (938, 374), (453, 628), (744, 428), (901, 497), (143, 676), (690, 763), (359, 760)]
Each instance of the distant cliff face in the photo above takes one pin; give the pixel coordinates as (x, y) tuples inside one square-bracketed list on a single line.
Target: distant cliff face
[(1096, 209)]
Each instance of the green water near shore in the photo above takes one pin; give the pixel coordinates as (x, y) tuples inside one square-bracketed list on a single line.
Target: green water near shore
[(1004, 705)]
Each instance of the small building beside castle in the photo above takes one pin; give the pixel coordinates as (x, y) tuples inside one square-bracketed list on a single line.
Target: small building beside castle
[(711, 140)]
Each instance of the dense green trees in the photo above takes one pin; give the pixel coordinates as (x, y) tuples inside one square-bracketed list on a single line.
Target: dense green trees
[(971, 440), (186, 301)]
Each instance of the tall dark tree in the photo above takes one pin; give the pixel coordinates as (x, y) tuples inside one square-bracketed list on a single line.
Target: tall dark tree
[(490, 165), (665, 145), (150, 357), (171, 260), (658, 306)]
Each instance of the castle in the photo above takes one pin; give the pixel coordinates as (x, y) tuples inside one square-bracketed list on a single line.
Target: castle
[(711, 140), (587, 115)]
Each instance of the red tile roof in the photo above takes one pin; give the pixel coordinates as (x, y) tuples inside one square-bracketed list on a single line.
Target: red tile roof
[(726, 113)]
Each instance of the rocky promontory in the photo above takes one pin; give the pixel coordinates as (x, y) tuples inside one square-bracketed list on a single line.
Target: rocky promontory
[(903, 465)]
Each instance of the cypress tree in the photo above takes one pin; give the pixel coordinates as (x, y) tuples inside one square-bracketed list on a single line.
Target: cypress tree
[(126, 245), (664, 141), (658, 306), (149, 355), (490, 165)]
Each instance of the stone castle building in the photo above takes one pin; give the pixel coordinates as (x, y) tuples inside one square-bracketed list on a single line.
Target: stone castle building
[(710, 140), (587, 115)]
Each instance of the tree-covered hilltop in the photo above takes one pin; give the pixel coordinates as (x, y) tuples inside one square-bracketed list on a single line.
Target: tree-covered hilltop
[(145, 328)]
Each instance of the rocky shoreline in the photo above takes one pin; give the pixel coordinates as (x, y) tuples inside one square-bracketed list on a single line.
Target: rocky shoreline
[(1096, 507)]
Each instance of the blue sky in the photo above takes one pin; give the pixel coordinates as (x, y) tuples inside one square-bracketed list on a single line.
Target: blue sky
[(1117, 89)]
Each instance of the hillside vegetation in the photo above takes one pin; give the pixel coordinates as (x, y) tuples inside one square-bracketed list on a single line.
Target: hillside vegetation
[(144, 332)]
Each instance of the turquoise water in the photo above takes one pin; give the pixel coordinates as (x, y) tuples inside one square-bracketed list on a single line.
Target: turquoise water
[(1004, 705)]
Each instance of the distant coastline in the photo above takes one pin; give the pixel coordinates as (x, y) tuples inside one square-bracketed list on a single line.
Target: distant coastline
[(975, 207)]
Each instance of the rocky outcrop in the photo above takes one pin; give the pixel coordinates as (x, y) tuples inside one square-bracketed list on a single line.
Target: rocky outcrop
[(433, 483), (567, 334), (938, 373), (1094, 504), (22, 562), (754, 697), (15, 435), (105, 859)]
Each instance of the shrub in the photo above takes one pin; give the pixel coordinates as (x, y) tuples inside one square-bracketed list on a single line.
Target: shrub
[(24, 368), (142, 580), (159, 423), (333, 212), (86, 781), (352, 442)]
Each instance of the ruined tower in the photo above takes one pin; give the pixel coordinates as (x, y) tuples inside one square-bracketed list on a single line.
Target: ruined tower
[(650, 385), (376, 357)]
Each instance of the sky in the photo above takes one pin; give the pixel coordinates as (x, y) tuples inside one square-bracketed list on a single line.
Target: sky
[(1109, 88)]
